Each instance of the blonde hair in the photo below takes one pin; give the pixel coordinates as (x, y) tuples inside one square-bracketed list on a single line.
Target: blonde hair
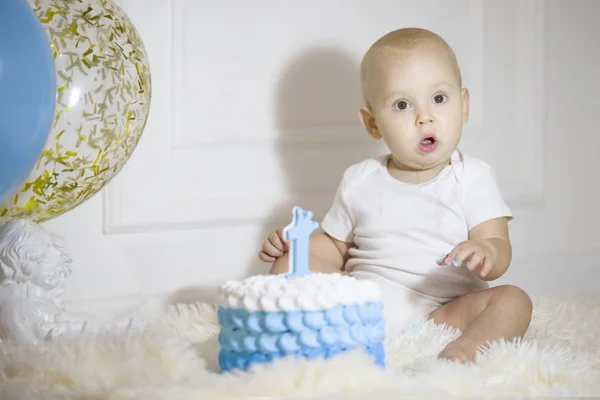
[(403, 40)]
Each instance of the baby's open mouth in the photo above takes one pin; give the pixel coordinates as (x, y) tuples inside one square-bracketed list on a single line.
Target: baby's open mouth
[(428, 144), (428, 141)]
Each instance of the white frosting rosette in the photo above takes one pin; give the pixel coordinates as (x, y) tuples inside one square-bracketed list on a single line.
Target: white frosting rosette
[(313, 292)]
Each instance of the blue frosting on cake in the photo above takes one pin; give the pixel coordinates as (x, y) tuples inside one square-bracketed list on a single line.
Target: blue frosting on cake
[(230, 360), (302, 315), (247, 338)]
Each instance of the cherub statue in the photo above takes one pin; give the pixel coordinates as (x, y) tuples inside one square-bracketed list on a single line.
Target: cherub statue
[(34, 266)]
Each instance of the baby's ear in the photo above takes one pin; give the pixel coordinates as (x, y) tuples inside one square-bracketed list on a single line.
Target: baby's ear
[(465, 105), (368, 121)]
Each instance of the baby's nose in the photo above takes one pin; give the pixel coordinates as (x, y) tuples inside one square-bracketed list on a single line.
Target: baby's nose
[(425, 119), (424, 116)]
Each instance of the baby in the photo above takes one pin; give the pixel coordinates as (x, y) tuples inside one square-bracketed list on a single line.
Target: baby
[(426, 221)]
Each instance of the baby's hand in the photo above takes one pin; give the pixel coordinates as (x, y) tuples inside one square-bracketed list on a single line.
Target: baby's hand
[(476, 253), (274, 247)]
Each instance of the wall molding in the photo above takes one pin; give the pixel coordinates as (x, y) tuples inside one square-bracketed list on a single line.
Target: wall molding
[(537, 274), (531, 118), (124, 214), (339, 133)]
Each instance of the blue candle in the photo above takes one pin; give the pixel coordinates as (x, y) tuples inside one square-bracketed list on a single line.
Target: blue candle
[(298, 235)]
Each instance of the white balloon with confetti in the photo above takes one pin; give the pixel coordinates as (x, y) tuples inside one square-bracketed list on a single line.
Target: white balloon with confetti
[(103, 101)]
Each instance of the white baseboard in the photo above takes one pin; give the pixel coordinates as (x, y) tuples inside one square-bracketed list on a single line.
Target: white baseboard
[(550, 274), (118, 308), (542, 275)]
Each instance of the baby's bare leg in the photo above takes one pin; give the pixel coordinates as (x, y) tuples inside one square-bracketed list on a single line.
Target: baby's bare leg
[(502, 312)]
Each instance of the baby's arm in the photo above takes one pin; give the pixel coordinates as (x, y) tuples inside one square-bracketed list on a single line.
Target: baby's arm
[(326, 254), (488, 251), (494, 233)]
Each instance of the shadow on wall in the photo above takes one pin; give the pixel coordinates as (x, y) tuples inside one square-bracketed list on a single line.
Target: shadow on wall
[(319, 92)]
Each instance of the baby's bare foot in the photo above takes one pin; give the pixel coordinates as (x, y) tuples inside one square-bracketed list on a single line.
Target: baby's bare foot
[(460, 350)]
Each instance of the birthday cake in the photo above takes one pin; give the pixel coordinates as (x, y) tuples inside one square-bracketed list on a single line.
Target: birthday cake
[(300, 314)]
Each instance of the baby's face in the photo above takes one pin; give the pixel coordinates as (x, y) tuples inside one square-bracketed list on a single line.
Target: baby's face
[(418, 106)]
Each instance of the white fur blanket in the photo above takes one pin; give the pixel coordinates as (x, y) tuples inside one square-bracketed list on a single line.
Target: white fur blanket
[(175, 358)]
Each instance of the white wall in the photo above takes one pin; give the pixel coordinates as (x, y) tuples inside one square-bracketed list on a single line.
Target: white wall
[(558, 244), (236, 113)]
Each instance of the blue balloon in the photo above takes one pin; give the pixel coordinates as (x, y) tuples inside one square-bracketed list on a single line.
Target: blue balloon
[(27, 93)]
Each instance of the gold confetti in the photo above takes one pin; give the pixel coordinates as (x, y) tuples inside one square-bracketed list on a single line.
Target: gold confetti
[(100, 58)]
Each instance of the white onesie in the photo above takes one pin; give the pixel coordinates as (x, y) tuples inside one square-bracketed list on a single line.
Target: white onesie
[(399, 230)]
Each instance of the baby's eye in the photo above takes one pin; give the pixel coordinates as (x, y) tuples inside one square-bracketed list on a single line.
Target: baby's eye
[(402, 105), (440, 98)]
